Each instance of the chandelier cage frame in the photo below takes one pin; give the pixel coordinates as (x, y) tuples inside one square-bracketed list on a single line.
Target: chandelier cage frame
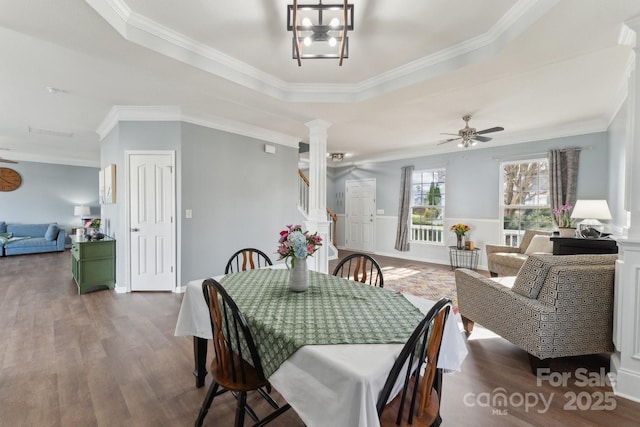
[(320, 25)]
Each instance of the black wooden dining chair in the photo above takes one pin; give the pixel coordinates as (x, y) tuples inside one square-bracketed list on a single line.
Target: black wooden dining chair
[(247, 259), (418, 392), (236, 366), (361, 268)]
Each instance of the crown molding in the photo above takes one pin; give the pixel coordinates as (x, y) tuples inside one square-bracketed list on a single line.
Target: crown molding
[(633, 23), (626, 36), (119, 113), (169, 113), (244, 129), (53, 159), (150, 34), (561, 131), (132, 113)]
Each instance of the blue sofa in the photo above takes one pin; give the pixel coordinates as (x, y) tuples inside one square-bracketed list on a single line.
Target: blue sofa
[(17, 239)]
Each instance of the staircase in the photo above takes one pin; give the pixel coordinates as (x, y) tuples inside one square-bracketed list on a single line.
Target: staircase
[(303, 206)]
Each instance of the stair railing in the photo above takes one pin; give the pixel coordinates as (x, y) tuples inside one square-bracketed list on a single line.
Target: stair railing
[(303, 204)]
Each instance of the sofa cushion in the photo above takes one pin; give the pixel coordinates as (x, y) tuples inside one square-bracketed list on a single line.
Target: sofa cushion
[(539, 244), (534, 271), (52, 232), (29, 242), (511, 259), (3, 227), (506, 281), (528, 236), (27, 230)]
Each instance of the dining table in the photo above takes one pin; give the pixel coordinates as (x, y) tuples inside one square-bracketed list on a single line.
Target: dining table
[(327, 350)]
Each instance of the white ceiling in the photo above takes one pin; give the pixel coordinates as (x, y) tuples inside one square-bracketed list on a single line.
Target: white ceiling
[(539, 68)]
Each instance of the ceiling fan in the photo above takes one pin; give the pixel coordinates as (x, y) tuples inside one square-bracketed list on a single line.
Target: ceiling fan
[(469, 136)]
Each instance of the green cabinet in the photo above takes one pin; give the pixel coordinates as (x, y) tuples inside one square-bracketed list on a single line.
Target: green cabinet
[(93, 263)]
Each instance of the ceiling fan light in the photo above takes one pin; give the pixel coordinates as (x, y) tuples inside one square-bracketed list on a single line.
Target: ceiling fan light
[(461, 144), (474, 143), (334, 22), (332, 41), (306, 22), (307, 41)]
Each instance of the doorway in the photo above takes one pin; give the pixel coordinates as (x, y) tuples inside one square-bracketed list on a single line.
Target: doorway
[(150, 220), (360, 208)]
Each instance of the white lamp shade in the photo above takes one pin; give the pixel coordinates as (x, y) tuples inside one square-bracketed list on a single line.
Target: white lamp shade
[(81, 210), (591, 209)]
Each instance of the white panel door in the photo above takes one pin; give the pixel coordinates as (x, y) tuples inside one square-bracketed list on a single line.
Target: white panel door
[(360, 208), (151, 213)]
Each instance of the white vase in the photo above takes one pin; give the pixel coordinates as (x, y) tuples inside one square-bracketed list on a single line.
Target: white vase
[(298, 275)]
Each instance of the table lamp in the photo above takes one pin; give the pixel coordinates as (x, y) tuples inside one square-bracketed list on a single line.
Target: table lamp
[(591, 211), (82, 211)]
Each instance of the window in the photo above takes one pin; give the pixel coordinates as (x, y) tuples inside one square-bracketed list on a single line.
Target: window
[(525, 198), (427, 205)]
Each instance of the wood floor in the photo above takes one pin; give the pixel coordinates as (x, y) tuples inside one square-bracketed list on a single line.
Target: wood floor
[(108, 359)]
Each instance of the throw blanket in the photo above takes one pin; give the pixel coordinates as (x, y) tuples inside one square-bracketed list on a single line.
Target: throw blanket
[(7, 238)]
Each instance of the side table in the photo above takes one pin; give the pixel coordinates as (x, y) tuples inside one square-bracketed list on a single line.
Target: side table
[(463, 258), (575, 246), (93, 262)]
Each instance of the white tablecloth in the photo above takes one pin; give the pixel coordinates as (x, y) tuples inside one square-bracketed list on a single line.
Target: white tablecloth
[(331, 385)]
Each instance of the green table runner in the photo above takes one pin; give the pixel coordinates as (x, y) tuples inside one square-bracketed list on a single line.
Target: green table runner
[(332, 311)]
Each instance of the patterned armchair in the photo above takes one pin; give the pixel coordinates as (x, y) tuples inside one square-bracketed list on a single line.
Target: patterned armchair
[(507, 260), (556, 306)]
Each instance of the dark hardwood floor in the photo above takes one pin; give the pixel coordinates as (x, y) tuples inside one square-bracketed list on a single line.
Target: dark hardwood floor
[(108, 359)]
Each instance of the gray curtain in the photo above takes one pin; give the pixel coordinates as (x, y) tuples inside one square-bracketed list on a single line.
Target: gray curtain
[(404, 210), (563, 175)]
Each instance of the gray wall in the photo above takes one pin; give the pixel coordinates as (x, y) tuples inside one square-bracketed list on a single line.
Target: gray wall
[(473, 175), (128, 136), (48, 194), (239, 195)]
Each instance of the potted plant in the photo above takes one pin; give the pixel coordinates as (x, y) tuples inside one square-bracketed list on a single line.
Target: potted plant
[(566, 226), (460, 230), (295, 246)]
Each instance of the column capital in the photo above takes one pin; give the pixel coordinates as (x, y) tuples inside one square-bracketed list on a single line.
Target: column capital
[(318, 124)]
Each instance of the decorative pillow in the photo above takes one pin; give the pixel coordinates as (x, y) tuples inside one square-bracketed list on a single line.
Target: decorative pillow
[(3, 227), (52, 232), (4, 237), (531, 277), (539, 244)]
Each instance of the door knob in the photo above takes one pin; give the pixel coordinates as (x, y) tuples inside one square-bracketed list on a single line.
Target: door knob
[(135, 229)]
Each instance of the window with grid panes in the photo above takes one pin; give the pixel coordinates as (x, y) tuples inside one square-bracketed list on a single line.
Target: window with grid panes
[(427, 205), (525, 198)]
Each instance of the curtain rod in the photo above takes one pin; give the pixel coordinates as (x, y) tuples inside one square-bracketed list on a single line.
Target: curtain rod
[(517, 156)]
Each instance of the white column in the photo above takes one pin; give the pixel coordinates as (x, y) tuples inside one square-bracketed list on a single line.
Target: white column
[(625, 362), (317, 221), (632, 147)]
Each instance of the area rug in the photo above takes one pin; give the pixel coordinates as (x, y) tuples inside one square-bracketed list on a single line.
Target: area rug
[(427, 282)]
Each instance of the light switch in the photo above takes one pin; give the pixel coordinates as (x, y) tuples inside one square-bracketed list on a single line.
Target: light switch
[(380, 212), (188, 213)]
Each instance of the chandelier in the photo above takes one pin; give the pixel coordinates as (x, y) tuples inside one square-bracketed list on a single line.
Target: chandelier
[(320, 30)]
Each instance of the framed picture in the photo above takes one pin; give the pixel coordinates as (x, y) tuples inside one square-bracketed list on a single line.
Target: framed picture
[(110, 184), (101, 186)]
